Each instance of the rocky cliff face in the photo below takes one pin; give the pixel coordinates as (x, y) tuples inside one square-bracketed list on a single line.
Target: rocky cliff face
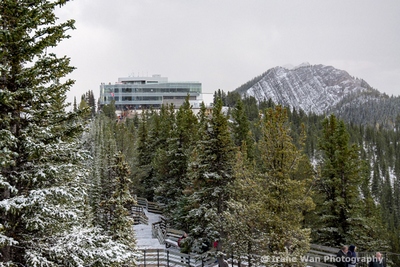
[(313, 88)]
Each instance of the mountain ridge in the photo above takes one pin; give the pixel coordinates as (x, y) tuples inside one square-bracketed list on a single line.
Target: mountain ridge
[(322, 89), (313, 88)]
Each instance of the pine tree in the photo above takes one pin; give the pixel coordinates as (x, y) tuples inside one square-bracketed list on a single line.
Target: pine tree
[(143, 169), (341, 218), (110, 110), (373, 235), (210, 171), (265, 215), (75, 107), (376, 182), (202, 117), (125, 137), (103, 149), (162, 129), (172, 161), (88, 99), (251, 108), (44, 219), (92, 103), (283, 197), (241, 129), (117, 207), (244, 239)]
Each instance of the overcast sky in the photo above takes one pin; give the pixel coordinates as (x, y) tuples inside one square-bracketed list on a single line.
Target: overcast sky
[(225, 43)]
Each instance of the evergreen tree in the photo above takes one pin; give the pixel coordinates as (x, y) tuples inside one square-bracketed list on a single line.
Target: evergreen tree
[(241, 129), (376, 181), (340, 211), (232, 98), (161, 132), (374, 235), (44, 220), (103, 148), (210, 171), (244, 238), (219, 95), (110, 110), (84, 108), (265, 215), (88, 98), (172, 162), (125, 137), (75, 107), (143, 168), (251, 108), (117, 207), (92, 103), (284, 186), (203, 119)]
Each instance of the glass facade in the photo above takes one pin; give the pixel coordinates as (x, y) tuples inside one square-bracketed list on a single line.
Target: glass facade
[(143, 92)]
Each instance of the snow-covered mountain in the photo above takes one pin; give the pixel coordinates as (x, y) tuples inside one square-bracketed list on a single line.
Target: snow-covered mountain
[(315, 88)]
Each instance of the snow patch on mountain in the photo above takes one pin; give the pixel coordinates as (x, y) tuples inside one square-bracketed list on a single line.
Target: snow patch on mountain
[(312, 88)]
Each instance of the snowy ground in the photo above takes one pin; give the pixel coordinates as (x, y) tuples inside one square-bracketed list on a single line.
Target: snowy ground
[(143, 233), (145, 240)]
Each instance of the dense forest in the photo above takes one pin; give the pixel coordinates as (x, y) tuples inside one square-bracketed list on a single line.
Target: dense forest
[(260, 178)]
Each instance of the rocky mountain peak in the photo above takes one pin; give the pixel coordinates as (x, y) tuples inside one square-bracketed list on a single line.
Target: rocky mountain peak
[(313, 88)]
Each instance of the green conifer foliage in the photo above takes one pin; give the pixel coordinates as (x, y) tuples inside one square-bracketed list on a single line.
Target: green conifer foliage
[(251, 107), (244, 233), (342, 218), (125, 137), (203, 119), (150, 137), (34, 140), (172, 161), (103, 148), (88, 102), (75, 107), (44, 219), (282, 189), (117, 207), (339, 184), (210, 172), (241, 129), (109, 110)]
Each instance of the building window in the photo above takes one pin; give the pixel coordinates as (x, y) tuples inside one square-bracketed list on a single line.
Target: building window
[(126, 90)]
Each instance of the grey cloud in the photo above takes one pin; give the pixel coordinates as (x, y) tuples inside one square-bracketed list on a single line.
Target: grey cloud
[(224, 43)]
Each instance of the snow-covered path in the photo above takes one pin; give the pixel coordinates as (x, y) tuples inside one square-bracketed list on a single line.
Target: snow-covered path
[(145, 240), (143, 233)]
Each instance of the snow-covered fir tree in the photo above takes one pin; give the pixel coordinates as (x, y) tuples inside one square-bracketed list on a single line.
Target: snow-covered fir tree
[(103, 148), (172, 161), (210, 172), (44, 218), (143, 169), (117, 207)]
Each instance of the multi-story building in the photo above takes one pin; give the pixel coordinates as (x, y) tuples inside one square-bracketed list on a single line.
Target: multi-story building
[(131, 93)]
